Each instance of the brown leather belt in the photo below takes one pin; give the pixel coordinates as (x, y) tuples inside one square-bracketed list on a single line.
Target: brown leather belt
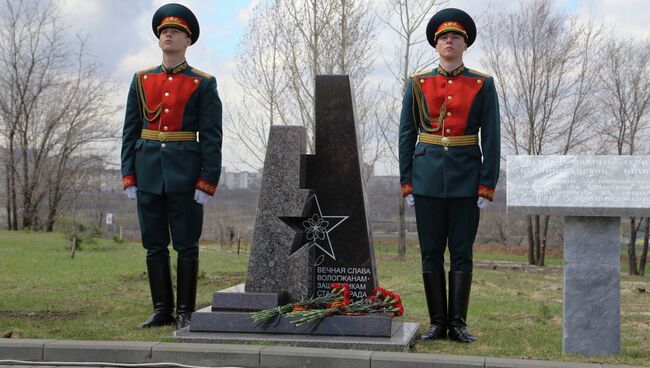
[(449, 141), (156, 135)]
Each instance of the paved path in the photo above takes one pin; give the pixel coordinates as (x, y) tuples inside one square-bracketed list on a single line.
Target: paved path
[(155, 354)]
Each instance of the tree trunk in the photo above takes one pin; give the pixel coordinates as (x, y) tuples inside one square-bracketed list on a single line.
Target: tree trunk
[(73, 248), (51, 218), (536, 239), (531, 242), (644, 252), (12, 185), (401, 234), (8, 198), (100, 219), (542, 255), (631, 248)]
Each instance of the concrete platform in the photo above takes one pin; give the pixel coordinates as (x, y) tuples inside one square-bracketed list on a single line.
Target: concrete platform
[(208, 320), (401, 339), (95, 354)]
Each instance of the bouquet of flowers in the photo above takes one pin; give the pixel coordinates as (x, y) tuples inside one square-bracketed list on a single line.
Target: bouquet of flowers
[(337, 301), (263, 315)]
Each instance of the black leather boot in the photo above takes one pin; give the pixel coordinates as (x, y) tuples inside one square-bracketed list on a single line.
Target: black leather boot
[(162, 295), (434, 289), (187, 271), (460, 284)]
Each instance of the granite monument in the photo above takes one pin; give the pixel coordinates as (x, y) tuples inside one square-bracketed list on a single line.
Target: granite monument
[(311, 229), (591, 193)]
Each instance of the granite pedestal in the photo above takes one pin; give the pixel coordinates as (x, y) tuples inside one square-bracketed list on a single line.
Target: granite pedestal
[(591, 193), (592, 284)]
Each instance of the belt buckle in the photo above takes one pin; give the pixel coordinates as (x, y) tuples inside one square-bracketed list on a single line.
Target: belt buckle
[(162, 136), (445, 141)]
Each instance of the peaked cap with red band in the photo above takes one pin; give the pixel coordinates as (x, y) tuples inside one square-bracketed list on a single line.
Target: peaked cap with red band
[(451, 20), (177, 16)]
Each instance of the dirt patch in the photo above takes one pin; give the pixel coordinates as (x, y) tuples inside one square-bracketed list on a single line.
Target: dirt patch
[(523, 267), (229, 278), (134, 277), (519, 251), (41, 315)]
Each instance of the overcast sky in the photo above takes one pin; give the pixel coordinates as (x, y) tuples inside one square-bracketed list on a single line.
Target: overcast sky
[(121, 40)]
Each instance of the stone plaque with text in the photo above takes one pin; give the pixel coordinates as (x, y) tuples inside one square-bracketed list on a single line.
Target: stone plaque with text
[(579, 185)]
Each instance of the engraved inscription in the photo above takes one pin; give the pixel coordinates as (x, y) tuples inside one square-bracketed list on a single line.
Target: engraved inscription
[(579, 181)]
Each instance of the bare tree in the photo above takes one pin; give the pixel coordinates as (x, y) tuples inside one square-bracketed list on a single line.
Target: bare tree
[(304, 31), (543, 62), (52, 107), (286, 45), (261, 76), (625, 95), (405, 19)]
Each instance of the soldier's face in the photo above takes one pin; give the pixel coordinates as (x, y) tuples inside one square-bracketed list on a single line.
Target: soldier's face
[(451, 46), (173, 40)]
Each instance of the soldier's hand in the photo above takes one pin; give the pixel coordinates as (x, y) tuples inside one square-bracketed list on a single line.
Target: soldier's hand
[(201, 197), (482, 202), (410, 201), (131, 192)]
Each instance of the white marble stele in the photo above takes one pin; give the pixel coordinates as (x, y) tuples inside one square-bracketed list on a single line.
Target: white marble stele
[(592, 193)]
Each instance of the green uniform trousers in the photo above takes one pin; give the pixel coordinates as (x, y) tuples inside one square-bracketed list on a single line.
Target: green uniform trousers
[(175, 213), (442, 222)]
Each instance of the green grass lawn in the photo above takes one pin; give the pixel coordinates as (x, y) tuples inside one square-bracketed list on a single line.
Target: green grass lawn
[(102, 294)]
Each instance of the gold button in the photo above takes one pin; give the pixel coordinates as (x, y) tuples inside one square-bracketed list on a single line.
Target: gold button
[(479, 81), (166, 110), (450, 81), (163, 145), (196, 81), (421, 80), (165, 128), (449, 114), (449, 97), (170, 78), (166, 94), (162, 136), (445, 141), (448, 130), (145, 77)]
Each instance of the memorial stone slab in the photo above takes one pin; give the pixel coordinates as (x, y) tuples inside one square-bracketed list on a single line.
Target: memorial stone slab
[(336, 325), (270, 269), (579, 185), (311, 229), (592, 193)]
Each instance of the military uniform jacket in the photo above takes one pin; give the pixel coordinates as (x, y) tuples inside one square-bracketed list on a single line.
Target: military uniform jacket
[(461, 103), (183, 99)]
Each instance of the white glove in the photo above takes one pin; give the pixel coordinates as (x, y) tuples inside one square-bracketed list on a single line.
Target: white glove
[(482, 202), (410, 201), (201, 197), (131, 192)]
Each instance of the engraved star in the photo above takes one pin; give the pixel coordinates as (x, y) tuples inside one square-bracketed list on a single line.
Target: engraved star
[(313, 229)]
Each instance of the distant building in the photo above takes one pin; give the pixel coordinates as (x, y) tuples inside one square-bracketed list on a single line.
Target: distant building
[(255, 180), (236, 180)]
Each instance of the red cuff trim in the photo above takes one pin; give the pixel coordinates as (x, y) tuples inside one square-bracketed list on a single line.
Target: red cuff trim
[(407, 189), (206, 186), (486, 192), (128, 181)]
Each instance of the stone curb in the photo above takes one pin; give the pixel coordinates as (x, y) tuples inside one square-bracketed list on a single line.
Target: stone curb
[(251, 356)]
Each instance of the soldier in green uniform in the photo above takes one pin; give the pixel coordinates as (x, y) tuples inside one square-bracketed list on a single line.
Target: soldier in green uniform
[(171, 161), (443, 170)]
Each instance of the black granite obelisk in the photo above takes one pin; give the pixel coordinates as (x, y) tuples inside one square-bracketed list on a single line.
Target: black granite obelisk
[(336, 225)]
